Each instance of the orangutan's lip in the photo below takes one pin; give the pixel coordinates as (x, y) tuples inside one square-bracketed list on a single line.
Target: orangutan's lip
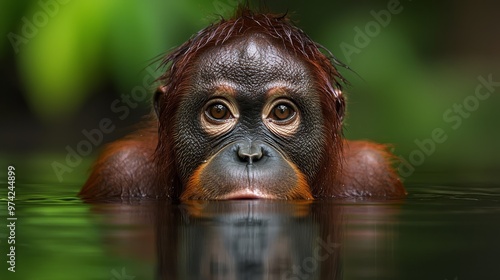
[(247, 194)]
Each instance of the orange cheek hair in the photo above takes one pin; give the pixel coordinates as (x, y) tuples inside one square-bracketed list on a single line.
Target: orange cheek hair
[(195, 190)]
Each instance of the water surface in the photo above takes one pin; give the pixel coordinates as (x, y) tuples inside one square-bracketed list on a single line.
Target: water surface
[(437, 232)]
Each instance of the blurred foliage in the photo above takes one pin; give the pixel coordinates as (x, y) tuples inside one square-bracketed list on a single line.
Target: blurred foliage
[(65, 50), (413, 69)]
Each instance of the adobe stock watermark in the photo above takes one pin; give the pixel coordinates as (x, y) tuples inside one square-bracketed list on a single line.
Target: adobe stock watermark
[(453, 116), (94, 137), (363, 36), (309, 265), (31, 26), (121, 275)]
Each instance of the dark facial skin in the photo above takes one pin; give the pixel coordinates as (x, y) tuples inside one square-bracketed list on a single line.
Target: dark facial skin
[(249, 125), (249, 107)]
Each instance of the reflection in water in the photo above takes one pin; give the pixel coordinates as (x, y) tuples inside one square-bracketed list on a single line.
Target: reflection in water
[(437, 232), (255, 239)]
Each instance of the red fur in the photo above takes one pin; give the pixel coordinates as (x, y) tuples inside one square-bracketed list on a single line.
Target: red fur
[(368, 171), (125, 168), (347, 168)]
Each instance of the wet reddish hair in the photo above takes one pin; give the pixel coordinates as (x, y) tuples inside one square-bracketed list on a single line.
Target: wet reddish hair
[(293, 40)]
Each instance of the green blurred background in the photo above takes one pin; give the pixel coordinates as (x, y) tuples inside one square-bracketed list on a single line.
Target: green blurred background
[(67, 64)]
